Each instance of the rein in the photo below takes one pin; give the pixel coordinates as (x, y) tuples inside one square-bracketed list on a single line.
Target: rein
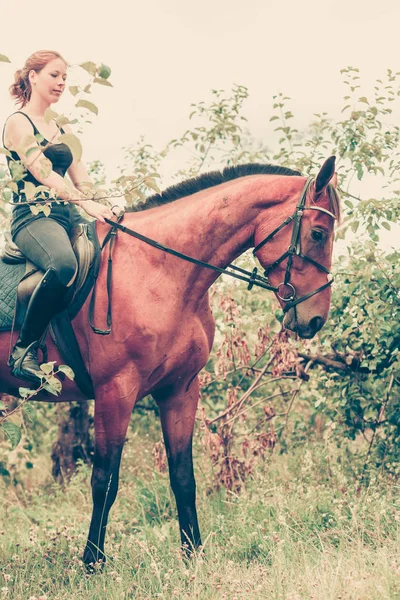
[(250, 277)]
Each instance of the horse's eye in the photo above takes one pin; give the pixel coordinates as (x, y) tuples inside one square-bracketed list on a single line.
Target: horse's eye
[(317, 235)]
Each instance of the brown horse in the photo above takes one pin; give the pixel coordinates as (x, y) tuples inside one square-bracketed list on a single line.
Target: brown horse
[(163, 328)]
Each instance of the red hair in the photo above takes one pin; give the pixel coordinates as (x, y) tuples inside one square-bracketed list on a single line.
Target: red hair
[(21, 89)]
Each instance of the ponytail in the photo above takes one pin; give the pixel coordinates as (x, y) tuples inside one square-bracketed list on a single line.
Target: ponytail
[(21, 89)]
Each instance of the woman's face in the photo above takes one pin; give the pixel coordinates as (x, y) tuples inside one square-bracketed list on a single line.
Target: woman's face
[(49, 83)]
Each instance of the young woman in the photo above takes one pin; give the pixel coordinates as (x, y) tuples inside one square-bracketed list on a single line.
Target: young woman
[(44, 240)]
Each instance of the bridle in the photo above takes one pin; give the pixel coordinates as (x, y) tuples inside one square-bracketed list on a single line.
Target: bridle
[(252, 278), (295, 250)]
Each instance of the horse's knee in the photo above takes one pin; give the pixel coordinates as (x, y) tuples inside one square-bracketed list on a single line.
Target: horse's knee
[(104, 486), (183, 485)]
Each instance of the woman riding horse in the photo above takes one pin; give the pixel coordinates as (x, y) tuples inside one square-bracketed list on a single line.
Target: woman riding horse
[(34, 140)]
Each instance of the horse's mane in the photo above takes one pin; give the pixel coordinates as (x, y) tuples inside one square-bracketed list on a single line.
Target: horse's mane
[(213, 178)]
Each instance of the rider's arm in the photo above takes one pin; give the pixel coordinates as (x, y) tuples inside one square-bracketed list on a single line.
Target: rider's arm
[(78, 172), (19, 137)]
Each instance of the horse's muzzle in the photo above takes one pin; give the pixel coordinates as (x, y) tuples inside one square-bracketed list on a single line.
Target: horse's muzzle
[(305, 331)]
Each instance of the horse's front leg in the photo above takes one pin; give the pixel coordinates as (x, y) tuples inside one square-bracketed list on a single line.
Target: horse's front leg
[(178, 412), (112, 414)]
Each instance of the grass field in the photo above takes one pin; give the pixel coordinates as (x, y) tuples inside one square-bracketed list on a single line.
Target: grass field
[(301, 528)]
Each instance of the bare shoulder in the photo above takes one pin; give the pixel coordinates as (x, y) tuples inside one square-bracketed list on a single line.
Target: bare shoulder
[(17, 126)]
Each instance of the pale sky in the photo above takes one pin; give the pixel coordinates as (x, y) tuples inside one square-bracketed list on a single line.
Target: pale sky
[(165, 54)]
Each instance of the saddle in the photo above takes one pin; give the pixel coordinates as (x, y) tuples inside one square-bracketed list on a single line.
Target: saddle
[(82, 247), (19, 277)]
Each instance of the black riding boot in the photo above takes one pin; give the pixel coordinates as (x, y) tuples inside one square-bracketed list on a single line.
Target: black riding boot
[(46, 301)]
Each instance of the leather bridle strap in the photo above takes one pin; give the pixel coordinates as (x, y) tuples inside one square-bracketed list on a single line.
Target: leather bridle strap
[(249, 277), (294, 250)]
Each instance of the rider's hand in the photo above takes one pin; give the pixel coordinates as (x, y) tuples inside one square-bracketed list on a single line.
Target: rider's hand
[(96, 210), (117, 210)]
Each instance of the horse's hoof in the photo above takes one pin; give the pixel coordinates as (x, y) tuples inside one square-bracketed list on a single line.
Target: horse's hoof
[(191, 552), (94, 561), (95, 567)]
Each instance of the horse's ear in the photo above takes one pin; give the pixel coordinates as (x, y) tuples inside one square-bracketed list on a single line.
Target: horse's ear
[(326, 175)]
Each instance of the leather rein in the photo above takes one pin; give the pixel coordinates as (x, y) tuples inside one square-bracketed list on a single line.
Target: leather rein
[(250, 277)]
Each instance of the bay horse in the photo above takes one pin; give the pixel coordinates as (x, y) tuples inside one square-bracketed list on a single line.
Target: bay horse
[(163, 327)]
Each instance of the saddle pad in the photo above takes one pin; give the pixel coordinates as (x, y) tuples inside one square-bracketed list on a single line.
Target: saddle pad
[(10, 276)]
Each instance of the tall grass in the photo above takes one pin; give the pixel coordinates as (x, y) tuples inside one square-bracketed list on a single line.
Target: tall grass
[(302, 527)]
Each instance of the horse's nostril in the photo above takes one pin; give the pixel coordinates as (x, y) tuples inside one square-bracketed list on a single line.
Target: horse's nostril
[(316, 323)]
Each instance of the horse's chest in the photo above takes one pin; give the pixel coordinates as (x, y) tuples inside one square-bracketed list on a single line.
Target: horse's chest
[(181, 359), (158, 349)]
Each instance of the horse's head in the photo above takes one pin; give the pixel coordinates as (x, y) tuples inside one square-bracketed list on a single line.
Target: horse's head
[(296, 250)]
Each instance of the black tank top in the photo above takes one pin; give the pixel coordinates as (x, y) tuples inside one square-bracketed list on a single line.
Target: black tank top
[(61, 158)]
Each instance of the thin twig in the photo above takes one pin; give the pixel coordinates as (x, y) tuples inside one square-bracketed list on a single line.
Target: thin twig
[(296, 393), (244, 397), (258, 403)]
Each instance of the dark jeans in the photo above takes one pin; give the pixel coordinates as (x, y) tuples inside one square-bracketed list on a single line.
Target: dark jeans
[(46, 243)]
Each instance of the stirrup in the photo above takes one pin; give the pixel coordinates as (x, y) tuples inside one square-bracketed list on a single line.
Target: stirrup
[(17, 367)]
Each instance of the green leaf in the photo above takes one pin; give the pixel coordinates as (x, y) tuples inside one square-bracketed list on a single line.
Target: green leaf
[(74, 89), (90, 67), (2, 406), (50, 389), (4, 58), (62, 120), (386, 225), (67, 371), (46, 210), (363, 99), (13, 186), (49, 115), (74, 144), (6, 152), (47, 367), (29, 411), (13, 432), (152, 185), (31, 151), (26, 392), (102, 81), (89, 105), (29, 190), (104, 71), (53, 385), (35, 210)]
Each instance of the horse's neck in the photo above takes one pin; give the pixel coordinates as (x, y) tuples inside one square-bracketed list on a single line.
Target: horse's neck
[(215, 225)]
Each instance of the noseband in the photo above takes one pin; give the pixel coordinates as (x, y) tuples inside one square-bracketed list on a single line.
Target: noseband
[(295, 250)]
